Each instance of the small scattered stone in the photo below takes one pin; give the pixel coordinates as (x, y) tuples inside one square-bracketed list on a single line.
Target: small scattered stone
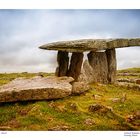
[(40, 74), (137, 114), (122, 99), (116, 100), (130, 118), (110, 108), (89, 122), (23, 112), (5, 128), (138, 81), (79, 88), (52, 104), (61, 108), (99, 108), (95, 107), (50, 119), (129, 85), (127, 74), (14, 123), (126, 80), (97, 96), (59, 128), (73, 106)]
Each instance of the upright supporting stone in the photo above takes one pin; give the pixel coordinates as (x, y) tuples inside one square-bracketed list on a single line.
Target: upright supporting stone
[(112, 64), (98, 62), (63, 62), (75, 65)]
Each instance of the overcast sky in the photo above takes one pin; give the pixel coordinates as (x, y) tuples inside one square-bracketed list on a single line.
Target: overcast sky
[(22, 31)]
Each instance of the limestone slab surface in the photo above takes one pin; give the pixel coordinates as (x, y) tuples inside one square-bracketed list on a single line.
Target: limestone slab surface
[(91, 44), (36, 88)]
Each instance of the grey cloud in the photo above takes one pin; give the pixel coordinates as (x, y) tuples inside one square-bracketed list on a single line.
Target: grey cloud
[(22, 31), (128, 57)]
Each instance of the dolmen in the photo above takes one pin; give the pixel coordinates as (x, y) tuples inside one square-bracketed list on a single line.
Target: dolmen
[(100, 65), (72, 76)]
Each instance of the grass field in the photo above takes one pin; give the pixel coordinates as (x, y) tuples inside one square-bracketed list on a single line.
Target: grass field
[(72, 113)]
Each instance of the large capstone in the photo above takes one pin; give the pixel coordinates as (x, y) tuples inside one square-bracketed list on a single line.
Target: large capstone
[(91, 44), (63, 62), (38, 88), (75, 65), (111, 59), (98, 61)]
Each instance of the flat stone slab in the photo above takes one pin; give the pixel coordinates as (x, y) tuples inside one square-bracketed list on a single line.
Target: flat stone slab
[(91, 44), (37, 88)]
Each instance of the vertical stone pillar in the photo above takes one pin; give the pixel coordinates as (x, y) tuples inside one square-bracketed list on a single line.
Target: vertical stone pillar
[(63, 62), (75, 65), (98, 62), (112, 64)]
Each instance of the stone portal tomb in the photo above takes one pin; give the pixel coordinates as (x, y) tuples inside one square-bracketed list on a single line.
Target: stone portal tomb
[(101, 64)]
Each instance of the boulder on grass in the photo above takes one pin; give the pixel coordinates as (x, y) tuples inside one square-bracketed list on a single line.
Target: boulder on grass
[(37, 88), (79, 88)]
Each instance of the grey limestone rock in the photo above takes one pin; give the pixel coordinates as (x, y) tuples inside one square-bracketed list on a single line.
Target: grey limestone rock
[(37, 88), (91, 44), (63, 62), (79, 88), (75, 65)]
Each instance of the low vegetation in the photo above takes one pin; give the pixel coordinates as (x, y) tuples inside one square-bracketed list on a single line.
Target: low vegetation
[(130, 70), (72, 113), (131, 73)]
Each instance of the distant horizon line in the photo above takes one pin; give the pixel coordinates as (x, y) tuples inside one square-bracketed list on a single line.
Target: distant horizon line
[(54, 71)]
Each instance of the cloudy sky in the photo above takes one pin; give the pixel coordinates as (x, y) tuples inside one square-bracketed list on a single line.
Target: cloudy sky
[(22, 31)]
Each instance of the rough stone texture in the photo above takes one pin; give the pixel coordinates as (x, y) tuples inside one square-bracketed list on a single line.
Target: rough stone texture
[(128, 74), (134, 117), (87, 74), (127, 80), (121, 100), (91, 44), (100, 67), (59, 128), (75, 65), (73, 106), (79, 88), (96, 96), (63, 62), (112, 68), (89, 122), (138, 81), (99, 108), (137, 114), (95, 107), (37, 88), (98, 62), (129, 85)]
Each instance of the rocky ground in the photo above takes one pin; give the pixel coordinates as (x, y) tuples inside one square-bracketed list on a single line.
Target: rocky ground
[(103, 107), (129, 78)]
